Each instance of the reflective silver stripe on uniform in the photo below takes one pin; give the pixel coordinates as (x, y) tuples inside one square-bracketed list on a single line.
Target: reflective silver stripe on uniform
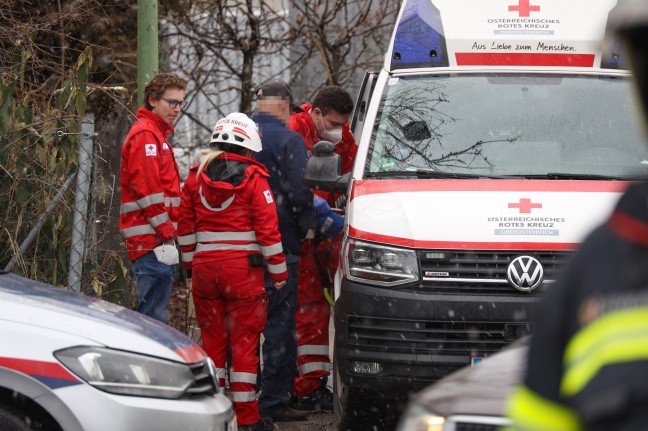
[(313, 349), (242, 377), (278, 268), (220, 373), (314, 366), (175, 225), (270, 250), (310, 234), (144, 202), (222, 207), (243, 397), (239, 247), (159, 219), (187, 239), (138, 230), (226, 236), (187, 257), (172, 202)]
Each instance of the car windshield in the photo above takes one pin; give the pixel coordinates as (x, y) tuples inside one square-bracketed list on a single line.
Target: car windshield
[(462, 126)]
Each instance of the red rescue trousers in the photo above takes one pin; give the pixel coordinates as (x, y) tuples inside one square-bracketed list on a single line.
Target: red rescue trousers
[(231, 310), (312, 323)]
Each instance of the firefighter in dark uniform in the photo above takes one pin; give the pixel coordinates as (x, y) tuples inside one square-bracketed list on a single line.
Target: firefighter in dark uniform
[(588, 361)]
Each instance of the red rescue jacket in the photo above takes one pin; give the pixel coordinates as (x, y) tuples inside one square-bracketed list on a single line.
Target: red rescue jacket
[(228, 212), (302, 123), (150, 185)]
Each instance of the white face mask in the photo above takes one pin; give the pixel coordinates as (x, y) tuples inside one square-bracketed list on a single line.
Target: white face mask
[(167, 254), (333, 136)]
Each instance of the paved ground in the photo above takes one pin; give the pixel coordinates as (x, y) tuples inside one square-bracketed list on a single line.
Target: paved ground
[(315, 422)]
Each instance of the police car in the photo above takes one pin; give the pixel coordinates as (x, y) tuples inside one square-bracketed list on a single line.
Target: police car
[(70, 362), (497, 134)]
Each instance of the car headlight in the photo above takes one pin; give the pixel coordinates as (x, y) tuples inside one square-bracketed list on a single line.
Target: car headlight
[(378, 264), (416, 418), (127, 373)]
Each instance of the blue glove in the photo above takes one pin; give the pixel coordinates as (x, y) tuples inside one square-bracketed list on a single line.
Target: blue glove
[(320, 206), (329, 224)]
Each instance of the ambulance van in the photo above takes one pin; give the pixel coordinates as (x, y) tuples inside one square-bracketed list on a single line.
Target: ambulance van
[(497, 134)]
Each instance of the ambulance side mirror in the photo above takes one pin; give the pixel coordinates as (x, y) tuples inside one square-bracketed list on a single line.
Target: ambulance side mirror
[(323, 170)]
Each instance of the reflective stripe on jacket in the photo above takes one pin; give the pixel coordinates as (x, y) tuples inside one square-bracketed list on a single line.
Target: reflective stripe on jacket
[(150, 185), (589, 348), (220, 221)]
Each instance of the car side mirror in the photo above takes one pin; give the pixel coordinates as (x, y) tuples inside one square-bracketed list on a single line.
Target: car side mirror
[(323, 170)]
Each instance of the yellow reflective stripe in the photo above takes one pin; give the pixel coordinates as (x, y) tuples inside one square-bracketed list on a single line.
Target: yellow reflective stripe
[(531, 412), (621, 336)]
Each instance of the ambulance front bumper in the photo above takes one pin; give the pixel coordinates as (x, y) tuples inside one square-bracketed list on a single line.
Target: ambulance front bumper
[(389, 342)]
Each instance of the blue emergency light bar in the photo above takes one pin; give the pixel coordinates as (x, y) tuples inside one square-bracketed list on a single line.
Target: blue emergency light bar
[(419, 39)]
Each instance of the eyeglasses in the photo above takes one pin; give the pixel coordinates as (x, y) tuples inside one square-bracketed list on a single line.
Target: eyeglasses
[(175, 103)]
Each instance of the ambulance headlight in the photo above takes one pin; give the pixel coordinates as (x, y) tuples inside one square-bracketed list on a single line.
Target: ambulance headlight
[(381, 265), (127, 373)]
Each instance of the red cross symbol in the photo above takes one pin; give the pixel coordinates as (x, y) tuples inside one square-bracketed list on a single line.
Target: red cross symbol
[(524, 8), (150, 147), (525, 206)]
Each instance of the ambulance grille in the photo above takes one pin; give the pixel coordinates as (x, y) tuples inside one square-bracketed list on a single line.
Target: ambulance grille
[(204, 380), (483, 271), (430, 337)]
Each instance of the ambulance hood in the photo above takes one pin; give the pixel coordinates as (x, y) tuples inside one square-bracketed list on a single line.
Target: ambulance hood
[(480, 214)]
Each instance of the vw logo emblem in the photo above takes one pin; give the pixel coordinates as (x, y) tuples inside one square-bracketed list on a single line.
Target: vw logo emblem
[(525, 273)]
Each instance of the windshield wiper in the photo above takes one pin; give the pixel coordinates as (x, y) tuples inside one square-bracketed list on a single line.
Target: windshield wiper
[(577, 176), (431, 173)]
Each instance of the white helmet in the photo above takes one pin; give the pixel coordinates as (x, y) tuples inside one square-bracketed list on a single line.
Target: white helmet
[(237, 129)]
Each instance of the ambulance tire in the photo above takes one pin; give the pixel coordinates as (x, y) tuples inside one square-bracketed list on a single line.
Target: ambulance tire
[(352, 412), (346, 413), (12, 420)]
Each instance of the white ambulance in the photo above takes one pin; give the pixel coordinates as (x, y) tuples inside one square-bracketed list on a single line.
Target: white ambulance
[(496, 136)]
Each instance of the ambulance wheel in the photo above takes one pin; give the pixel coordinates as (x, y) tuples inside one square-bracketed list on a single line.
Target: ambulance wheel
[(351, 412), (13, 420)]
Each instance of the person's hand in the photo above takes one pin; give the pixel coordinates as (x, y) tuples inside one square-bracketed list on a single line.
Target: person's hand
[(279, 284)]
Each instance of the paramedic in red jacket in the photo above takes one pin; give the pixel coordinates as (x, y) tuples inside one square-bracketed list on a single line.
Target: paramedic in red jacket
[(150, 194), (228, 227), (325, 120)]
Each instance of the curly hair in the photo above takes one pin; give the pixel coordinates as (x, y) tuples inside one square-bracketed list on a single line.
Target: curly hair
[(161, 82), (333, 98)]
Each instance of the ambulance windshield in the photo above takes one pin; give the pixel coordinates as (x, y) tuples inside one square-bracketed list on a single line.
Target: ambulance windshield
[(508, 124)]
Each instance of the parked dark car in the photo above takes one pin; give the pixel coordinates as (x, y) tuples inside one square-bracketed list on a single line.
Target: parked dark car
[(473, 398)]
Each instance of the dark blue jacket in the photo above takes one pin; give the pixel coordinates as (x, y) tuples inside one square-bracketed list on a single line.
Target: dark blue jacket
[(284, 155)]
